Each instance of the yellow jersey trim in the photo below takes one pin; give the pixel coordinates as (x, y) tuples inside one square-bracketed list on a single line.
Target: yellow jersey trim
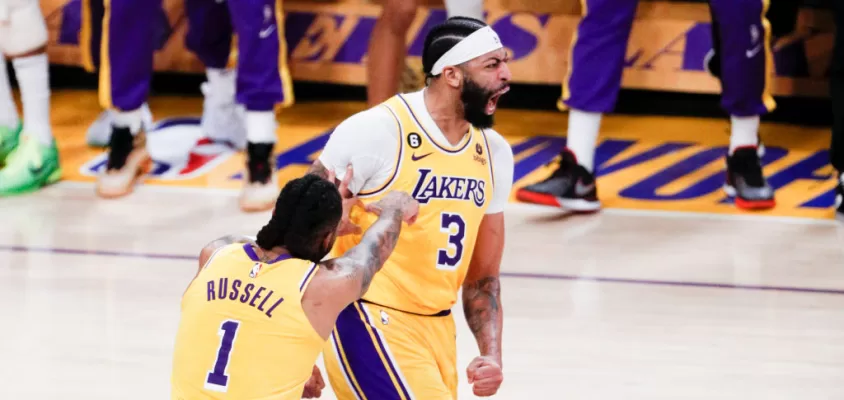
[(448, 149)]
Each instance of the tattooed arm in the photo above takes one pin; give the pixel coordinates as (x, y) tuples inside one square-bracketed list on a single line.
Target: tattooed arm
[(345, 279), (482, 305)]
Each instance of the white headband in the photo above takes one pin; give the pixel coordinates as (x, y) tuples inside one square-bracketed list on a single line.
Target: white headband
[(480, 42)]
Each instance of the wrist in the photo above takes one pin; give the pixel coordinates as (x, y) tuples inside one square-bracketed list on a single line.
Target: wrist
[(391, 212), (492, 355)]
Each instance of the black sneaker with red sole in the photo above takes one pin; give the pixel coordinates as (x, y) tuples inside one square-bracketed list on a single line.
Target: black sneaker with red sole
[(570, 186), (745, 181)]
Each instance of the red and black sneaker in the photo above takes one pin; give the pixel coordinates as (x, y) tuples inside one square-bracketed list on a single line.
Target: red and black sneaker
[(570, 186), (745, 181)]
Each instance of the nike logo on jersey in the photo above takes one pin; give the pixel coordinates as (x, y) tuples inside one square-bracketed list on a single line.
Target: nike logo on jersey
[(430, 186), (415, 158)]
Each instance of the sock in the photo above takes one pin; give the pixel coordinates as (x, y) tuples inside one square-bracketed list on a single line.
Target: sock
[(34, 81), (583, 136), (128, 119), (8, 111), (465, 8), (260, 127), (221, 82), (744, 132)]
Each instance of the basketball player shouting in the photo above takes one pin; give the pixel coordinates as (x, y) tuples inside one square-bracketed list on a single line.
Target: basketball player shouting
[(398, 342), (257, 315), (28, 154)]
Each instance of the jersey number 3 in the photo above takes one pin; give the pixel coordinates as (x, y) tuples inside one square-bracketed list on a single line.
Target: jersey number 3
[(452, 224), (217, 379)]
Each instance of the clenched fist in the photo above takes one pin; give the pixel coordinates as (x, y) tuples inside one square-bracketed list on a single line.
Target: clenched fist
[(314, 386), (485, 376)]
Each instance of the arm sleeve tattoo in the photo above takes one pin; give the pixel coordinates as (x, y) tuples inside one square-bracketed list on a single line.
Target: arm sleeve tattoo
[(363, 261), (482, 307)]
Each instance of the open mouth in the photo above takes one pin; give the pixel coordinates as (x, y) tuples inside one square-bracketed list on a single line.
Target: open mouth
[(492, 104)]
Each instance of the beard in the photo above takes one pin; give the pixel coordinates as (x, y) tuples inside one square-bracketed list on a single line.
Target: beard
[(475, 99)]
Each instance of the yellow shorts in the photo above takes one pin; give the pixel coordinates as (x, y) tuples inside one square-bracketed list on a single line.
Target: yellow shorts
[(377, 353)]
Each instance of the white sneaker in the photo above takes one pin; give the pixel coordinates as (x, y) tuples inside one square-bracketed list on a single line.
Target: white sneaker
[(259, 196)]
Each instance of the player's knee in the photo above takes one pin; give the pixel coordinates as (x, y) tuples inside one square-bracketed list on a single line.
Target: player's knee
[(25, 31), (400, 13)]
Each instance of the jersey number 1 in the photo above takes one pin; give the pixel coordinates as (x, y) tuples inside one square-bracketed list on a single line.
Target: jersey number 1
[(217, 379), (449, 258)]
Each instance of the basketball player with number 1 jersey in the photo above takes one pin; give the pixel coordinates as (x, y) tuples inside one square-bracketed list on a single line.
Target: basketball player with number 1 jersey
[(258, 313), (398, 341)]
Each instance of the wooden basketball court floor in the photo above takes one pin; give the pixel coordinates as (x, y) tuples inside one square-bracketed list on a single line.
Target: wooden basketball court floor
[(668, 293)]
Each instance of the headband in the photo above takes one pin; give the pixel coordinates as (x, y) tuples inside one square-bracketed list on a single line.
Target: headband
[(480, 42)]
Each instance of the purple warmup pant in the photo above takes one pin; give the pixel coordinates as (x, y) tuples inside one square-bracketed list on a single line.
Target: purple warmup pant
[(600, 45), (118, 38), (263, 80)]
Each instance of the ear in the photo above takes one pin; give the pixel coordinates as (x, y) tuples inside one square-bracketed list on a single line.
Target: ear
[(453, 76)]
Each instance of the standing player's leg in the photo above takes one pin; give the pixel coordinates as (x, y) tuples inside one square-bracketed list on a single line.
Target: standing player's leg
[(385, 58), (90, 39), (379, 353), (263, 82), (125, 69), (590, 89), (836, 89), (746, 72), (34, 161), (209, 36), (10, 124), (387, 49)]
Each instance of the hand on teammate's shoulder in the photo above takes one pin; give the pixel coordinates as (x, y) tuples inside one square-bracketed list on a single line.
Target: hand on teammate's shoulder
[(350, 200), (398, 201)]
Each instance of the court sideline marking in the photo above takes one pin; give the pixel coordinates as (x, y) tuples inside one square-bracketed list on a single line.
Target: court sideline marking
[(524, 275)]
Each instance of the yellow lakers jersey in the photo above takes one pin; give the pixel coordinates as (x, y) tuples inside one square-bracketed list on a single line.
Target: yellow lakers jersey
[(243, 333), (453, 185)]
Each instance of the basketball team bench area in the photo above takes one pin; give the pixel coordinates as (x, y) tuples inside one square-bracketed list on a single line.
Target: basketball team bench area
[(669, 292)]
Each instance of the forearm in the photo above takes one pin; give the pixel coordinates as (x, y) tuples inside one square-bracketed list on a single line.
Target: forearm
[(376, 245), (482, 307)]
